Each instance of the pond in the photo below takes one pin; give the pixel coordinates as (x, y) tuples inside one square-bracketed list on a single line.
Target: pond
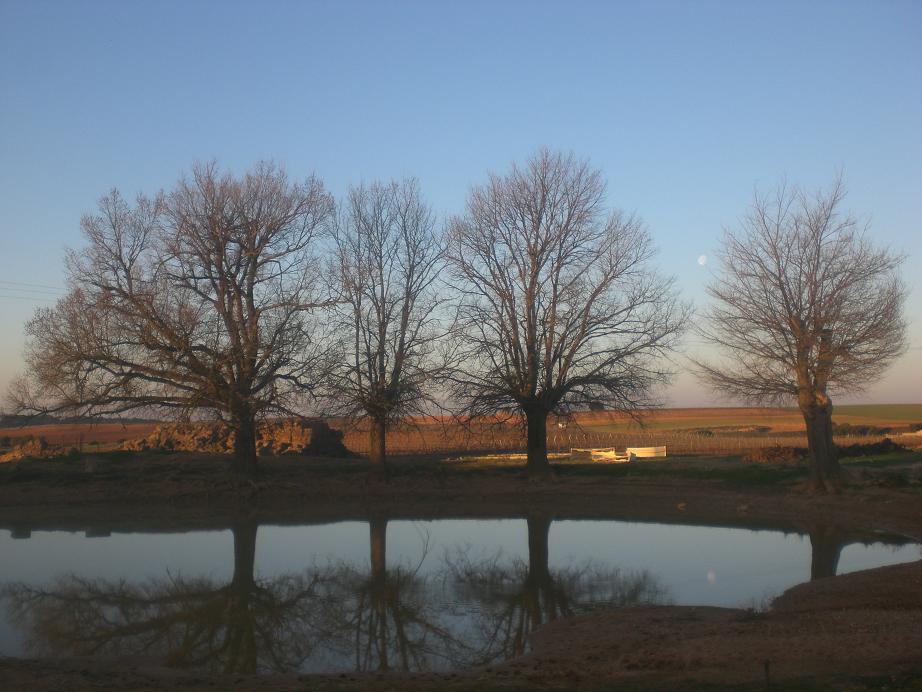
[(382, 595)]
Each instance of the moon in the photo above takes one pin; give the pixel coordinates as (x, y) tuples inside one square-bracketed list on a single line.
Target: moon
[(702, 260)]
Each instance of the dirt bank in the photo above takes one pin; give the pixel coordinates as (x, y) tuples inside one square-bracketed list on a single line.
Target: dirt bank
[(184, 490)]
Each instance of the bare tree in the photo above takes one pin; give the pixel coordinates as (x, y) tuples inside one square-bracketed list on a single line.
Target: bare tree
[(803, 304), (195, 301), (387, 259), (560, 308)]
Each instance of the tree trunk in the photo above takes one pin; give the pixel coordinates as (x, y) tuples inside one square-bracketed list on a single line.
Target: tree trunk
[(242, 654), (245, 444), (244, 555), (378, 540), (539, 588), (824, 461), (539, 526), (377, 442), (536, 419), (377, 631), (825, 549)]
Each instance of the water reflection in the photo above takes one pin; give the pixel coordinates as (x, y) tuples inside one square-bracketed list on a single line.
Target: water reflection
[(243, 626), (516, 598), (464, 608), (385, 619), (825, 549)]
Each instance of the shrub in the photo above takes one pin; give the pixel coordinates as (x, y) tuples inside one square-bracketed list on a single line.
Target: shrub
[(849, 429), (885, 446), (777, 454)]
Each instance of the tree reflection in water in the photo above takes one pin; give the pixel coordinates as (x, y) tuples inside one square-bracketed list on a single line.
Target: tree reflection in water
[(377, 619), (333, 617), (244, 626), (387, 619), (516, 598), (825, 549)]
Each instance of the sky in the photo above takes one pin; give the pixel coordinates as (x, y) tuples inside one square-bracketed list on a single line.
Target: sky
[(686, 107)]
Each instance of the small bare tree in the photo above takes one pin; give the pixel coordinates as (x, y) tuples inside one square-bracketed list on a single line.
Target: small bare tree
[(196, 301), (387, 257), (560, 308), (803, 304)]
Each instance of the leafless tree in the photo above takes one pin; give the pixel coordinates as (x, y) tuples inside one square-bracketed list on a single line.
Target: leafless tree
[(200, 300), (387, 257), (560, 308), (803, 304)]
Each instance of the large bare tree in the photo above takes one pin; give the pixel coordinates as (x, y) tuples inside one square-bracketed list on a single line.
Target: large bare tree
[(560, 307), (803, 305), (387, 257), (199, 301)]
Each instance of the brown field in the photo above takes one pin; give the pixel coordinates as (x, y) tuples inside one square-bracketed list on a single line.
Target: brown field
[(694, 431), (700, 431), (77, 434)]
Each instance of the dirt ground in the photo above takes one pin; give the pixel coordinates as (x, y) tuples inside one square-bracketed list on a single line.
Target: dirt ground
[(857, 631)]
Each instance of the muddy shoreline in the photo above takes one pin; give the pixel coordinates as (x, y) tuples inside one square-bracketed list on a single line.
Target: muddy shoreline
[(175, 491), (856, 631)]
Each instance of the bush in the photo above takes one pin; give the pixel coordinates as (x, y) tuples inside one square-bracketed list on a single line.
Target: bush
[(857, 430), (885, 446), (6, 441), (915, 427), (777, 454)]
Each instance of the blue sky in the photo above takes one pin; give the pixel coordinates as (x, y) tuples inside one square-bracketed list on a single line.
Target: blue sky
[(685, 106)]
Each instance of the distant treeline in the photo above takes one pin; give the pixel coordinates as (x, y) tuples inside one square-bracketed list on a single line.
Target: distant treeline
[(18, 421)]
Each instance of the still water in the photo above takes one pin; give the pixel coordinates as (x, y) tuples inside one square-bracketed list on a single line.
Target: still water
[(382, 595)]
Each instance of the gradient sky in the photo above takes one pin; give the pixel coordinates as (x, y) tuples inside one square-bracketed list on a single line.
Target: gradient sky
[(685, 106)]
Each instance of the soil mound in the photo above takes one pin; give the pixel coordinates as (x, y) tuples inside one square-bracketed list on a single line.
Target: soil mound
[(30, 449), (273, 438)]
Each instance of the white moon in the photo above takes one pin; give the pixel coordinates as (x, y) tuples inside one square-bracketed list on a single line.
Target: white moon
[(702, 260)]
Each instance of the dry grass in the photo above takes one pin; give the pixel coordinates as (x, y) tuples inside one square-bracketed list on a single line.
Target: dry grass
[(699, 431)]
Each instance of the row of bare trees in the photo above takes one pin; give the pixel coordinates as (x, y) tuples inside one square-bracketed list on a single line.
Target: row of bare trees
[(247, 297)]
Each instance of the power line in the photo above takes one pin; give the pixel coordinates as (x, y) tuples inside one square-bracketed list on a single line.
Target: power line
[(30, 285), (34, 299), (31, 292)]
